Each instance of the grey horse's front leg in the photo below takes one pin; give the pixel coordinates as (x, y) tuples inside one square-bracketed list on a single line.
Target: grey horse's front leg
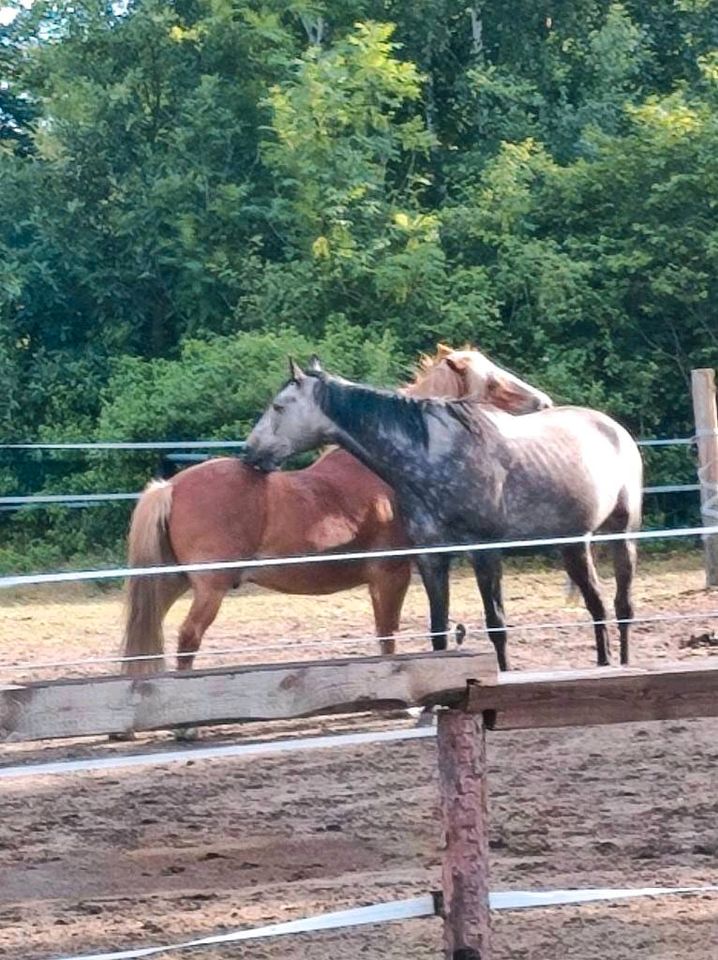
[(487, 567), (434, 570)]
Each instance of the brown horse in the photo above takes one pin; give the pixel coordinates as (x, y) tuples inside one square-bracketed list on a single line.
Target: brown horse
[(225, 510)]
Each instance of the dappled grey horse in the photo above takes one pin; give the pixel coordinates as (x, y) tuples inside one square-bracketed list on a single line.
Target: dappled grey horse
[(464, 471)]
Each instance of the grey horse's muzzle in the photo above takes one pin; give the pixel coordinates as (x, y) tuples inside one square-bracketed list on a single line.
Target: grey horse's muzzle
[(259, 459)]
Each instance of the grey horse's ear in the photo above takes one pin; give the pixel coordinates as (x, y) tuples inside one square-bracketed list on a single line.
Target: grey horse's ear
[(315, 364), (295, 371)]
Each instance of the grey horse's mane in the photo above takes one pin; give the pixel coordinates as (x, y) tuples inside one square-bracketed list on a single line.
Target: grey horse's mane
[(354, 405)]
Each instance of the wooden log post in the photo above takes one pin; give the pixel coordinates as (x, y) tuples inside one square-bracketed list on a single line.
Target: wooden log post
[(703, 388), (465, 876)]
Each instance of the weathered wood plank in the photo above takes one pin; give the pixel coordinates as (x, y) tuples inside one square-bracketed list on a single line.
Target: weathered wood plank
[(96, 706), (525, 700)]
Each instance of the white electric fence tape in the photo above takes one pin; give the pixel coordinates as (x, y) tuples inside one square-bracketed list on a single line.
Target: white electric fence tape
[(122, 572), (231, 444), (194, 754), (410, 909)]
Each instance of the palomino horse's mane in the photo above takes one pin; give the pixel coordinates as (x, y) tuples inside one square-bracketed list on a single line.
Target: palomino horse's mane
[(427, 362), (469, 374)]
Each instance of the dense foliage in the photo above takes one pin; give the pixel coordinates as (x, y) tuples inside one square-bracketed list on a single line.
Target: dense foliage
[(190, 189)]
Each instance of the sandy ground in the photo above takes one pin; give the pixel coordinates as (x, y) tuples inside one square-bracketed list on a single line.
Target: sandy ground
[(134, 857)]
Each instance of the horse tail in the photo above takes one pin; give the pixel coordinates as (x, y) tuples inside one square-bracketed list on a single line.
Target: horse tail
[(149, 598)]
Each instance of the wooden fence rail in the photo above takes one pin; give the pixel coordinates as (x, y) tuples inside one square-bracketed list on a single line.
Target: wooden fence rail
[(93, 706), (467, 684)]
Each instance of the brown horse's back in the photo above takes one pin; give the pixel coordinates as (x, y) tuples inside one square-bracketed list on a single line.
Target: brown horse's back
[(335, 506), (226, 510), (218, 513)]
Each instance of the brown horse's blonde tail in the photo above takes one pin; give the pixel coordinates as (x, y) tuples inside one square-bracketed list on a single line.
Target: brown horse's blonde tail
[(149, 598)]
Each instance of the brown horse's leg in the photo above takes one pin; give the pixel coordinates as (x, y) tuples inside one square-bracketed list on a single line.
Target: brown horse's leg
[(206, 601), (387, 589), (579, 566), (624, 567)]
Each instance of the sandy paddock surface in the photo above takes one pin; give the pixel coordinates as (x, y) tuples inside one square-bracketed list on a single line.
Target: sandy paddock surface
[(134, 857)]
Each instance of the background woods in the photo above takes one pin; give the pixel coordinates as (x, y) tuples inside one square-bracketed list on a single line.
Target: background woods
[(190, 190)]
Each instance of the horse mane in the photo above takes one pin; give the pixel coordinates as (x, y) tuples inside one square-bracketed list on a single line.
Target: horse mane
[(353, 404), (464, 412), (427, 361)]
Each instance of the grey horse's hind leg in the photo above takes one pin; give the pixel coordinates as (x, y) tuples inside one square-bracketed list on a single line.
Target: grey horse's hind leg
[(487, 567), (624, 567), (579, 566)]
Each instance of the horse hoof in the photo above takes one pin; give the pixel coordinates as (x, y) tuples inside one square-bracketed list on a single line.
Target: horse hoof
[(426, 718), (460, 634), (186, 734), (124, 737)]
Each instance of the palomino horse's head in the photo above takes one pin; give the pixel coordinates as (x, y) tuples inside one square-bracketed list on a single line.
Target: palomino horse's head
[(453, 374)]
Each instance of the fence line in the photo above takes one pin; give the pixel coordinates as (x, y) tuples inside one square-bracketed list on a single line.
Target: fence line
[(92, 499), (130, 445), (268, 747), (233, 444), (521, 701), (67, 499), (673, 488), (413, 908), (117, 573), (304, 643), (666, 442)]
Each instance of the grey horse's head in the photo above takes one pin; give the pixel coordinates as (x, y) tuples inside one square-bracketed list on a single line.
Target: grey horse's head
[(293, 422)]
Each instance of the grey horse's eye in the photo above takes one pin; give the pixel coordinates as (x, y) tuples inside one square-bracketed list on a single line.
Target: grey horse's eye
[(277, 407)]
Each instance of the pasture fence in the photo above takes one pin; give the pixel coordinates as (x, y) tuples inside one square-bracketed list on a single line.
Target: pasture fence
[(472, 698)]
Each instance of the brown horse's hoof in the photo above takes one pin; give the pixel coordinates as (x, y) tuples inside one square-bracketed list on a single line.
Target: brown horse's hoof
[(122, 737)]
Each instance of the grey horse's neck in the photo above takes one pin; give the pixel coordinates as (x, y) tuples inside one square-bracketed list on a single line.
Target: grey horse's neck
[(384, 430)]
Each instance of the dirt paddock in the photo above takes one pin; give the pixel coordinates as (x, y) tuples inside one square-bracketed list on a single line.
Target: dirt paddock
[(133, 857)]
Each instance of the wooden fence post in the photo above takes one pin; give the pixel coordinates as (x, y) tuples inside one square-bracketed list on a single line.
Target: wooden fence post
[(462, 776), (703, 388)]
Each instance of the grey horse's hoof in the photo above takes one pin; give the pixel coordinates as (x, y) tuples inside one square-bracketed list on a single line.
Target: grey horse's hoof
[(426, 718), (124, 737), (185, 734)]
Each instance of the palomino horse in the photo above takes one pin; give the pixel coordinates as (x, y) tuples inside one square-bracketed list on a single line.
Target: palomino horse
[(463, 471), (225, 510)]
